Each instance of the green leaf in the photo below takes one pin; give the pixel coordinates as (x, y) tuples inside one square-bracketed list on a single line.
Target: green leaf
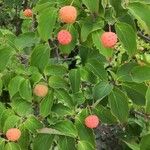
[(32, 124), (5, 55), (66, 143), (93, 5), (26, 40), (50, 131), (88, 25), (11, 122), (58, 70), (140, 74), (124, 72), (2, 107), (97, 68), (136, 92), (147, 107), (4, 115), (46, 105), (78, 98), (88, 75), (57, 82), (104, 114), (86, 28), (84, 133), (25, 90), (84, 53), (117, 5), (75, 80), (67, 128), (12, 146), (22, 107), (101, 90), (139, 11), (14, 85), (62, 110), (64, 97), (133, 146), (46, 22), (40, 57), (43, 142), (127, 37), (2, 143), (24, 141), (1, 86), (145, 144), (84, 145), (119, 105), (107, 52)]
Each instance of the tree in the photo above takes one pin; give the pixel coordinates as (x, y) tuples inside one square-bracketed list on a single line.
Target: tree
[(70, 70)]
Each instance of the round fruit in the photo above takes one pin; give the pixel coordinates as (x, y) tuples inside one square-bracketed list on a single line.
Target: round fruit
[(109, 39), (13, 134), (92, 121), (28, 13), (68, 14), (64, 37), (40, 90)]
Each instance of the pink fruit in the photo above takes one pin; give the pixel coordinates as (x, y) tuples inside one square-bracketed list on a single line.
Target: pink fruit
[(92, 121), (64, 37), (68, 14), (13, 134), (40, 90), (28, 13), (109, 39)]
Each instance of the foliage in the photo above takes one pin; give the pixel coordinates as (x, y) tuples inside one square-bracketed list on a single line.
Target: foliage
[(83, 77)]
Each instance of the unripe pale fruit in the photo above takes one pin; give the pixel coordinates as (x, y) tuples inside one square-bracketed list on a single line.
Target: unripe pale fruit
[(28, 13), (13, 134), (64, 37), (109, 39), (68, 14), (40, 90), (92, 121)]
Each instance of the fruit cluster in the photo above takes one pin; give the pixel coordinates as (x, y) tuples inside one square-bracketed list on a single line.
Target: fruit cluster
[(68, 15)]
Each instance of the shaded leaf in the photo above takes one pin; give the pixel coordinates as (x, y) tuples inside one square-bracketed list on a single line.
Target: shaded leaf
[(127, 37), (101, 90), (138, 10), (119, 105), (43, 142), (75, 80)]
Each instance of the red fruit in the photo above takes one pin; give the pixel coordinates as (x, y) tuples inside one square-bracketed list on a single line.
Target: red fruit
[(28, 13), (40, 90), (109, 39), (64, 37), (13, 134), (68, 14), (92, 121)]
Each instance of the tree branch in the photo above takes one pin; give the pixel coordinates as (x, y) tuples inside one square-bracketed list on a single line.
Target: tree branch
[(144, 37)]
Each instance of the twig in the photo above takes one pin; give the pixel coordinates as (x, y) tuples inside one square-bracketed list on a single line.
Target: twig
[(146, 116), (144, 37), (50, 42)]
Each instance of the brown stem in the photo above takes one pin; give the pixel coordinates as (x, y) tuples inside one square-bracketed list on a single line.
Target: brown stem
[(51, 43), (143, 36), (146, 116)]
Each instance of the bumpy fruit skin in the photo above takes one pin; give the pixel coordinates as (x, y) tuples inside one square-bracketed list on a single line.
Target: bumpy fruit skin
[(40, 90), (92, 121), (68, 14), (109, 39), (28, 13), (13, 134), (64, 37)]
